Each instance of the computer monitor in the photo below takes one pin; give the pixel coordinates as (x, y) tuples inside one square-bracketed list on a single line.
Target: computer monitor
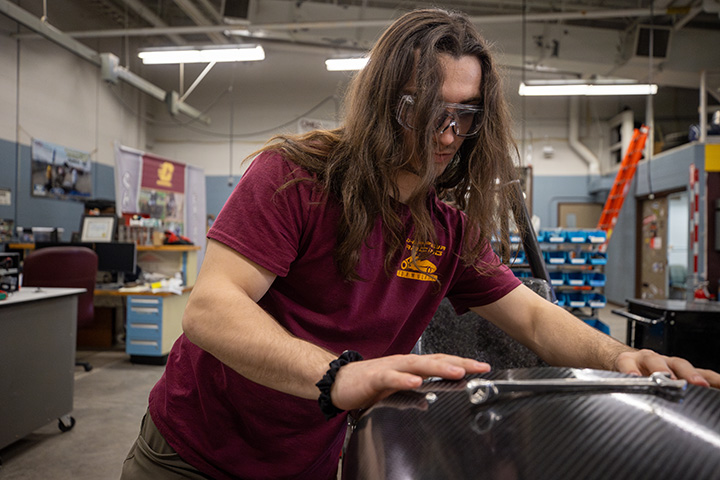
[(115, 258)]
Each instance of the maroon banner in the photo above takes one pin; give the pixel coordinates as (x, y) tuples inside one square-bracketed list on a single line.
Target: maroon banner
[(161, 174)]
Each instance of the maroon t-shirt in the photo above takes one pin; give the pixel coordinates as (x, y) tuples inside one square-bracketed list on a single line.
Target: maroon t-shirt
[(230, 427)]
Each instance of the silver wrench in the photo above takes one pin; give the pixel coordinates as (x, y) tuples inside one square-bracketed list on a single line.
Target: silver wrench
[(483, 391)]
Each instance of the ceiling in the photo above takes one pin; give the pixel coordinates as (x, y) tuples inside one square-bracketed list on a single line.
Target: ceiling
[(563, 38), (166, 15)]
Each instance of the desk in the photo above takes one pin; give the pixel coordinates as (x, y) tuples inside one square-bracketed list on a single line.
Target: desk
[(110, 308), (167, 259), (37, 359), (153, 322)]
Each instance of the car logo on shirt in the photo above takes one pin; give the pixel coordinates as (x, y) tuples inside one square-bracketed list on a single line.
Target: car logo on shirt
[(418, 270)]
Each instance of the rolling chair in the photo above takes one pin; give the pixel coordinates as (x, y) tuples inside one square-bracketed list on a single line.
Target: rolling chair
[(68, 267)]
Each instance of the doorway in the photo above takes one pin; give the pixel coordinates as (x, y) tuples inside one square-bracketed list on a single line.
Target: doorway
[(678, 245), (662, 249)]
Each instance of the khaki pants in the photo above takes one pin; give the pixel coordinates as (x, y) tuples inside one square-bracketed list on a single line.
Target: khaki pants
[(151, 458)]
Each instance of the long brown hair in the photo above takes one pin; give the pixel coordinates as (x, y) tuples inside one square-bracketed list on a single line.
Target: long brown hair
[(359, 162)]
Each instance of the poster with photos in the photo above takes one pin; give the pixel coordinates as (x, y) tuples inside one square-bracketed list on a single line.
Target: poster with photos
[(60, 172)]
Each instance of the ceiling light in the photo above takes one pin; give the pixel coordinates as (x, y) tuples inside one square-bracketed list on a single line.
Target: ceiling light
[(233, 53), (566, 89), (341, 64)]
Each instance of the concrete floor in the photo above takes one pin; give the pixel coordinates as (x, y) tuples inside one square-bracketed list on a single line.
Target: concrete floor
[(109, 403), (617, 324)]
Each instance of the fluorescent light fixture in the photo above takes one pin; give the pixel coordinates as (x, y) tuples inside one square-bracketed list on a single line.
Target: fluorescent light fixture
[(232, 53), (342, 64), (566, 89)]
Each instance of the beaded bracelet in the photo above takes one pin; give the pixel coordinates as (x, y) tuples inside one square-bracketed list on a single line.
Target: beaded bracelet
[(326, 383)]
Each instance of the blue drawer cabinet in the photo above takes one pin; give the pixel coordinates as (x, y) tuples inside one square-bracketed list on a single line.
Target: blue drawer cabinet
[(153, 323), (144, 325)]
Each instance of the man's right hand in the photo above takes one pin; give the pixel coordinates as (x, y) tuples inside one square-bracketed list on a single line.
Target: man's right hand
[(361, 384)]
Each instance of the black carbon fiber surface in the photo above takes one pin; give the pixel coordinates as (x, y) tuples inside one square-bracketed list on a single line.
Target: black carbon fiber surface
[(603, 435)]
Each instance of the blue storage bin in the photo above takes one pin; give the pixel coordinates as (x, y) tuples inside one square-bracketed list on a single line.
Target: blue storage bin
[(597, 258), (561, 299), (576, 258), (517, 258), (595, 300), (557, 278), (595, 279), (514, 238), (554, 236), (576, 236), (576, 299), (556, 258), (576, 279), (595, 323), (541, 236), (521, 273), (596, 236)]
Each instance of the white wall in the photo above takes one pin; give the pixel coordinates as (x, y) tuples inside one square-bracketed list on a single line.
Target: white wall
[(8, 80), (50, 94)]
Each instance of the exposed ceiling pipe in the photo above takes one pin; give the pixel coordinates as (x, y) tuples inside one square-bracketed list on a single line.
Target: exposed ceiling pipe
[(345, 24), (574, 139), (107, 62), (112, 71), (150, 17), (48, 31)]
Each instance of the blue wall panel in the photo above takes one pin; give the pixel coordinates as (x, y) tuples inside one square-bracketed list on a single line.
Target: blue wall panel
[(103, 182), (549, 191), (218, 192)]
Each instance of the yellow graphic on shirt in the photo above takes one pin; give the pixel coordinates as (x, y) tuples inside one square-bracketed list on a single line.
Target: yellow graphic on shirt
[(422, 268)]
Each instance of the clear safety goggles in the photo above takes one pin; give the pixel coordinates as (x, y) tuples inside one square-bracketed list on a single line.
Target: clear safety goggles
[(465, 120)]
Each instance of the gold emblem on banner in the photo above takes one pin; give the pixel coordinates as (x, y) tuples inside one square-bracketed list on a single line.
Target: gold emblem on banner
[(165, 174)]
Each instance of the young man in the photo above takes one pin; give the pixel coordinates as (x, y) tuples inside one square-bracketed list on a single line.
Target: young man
[(340, 240)]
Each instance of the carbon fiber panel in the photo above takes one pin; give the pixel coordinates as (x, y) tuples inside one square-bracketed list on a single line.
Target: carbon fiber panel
[(434, 432)]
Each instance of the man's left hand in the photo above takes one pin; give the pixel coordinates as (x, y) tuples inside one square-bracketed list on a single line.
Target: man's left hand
[(645, 362)]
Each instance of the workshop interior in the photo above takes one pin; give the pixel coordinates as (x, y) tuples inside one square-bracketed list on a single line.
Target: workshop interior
[(111, 177)]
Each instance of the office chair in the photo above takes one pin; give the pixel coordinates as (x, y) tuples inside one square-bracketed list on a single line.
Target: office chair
[(68, 267)]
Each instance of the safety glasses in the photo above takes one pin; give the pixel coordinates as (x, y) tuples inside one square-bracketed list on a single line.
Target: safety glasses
[(465, 120)]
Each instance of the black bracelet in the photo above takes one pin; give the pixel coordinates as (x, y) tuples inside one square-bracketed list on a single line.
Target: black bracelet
[(324, 385)]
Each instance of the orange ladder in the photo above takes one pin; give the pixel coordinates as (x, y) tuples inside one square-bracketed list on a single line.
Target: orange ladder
[(624, 176)]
